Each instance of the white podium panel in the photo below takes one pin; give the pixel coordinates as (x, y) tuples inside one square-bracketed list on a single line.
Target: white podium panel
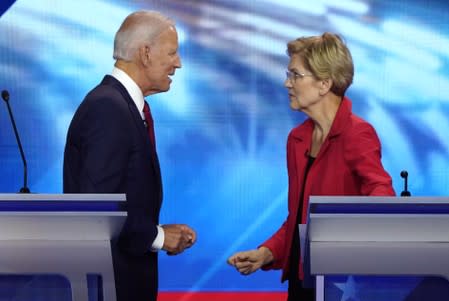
[(378, 236), (65, 234)]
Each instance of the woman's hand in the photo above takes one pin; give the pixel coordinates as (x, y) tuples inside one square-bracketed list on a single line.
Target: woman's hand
[(248, 262)]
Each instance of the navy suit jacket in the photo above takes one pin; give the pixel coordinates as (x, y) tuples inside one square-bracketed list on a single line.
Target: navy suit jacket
[(108, 150)]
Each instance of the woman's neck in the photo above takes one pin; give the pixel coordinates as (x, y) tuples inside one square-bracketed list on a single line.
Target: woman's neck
[(323, 118)]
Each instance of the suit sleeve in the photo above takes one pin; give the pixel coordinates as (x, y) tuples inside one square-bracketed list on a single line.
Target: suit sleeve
[(363, 154)]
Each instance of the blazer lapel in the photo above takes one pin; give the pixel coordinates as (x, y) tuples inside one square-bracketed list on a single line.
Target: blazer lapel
[(140, 126), (152, 154)]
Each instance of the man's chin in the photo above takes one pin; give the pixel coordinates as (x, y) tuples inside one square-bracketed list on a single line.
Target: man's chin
[(165, 87)]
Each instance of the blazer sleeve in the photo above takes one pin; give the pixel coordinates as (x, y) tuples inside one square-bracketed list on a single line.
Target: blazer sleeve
[(363, 154), (276, 244)]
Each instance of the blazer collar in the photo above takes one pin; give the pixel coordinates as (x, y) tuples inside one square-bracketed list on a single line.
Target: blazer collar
[(303, 131), (112, 81), (131, 87)]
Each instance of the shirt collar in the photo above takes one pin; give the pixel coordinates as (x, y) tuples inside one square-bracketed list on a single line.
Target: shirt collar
[(131, 87)]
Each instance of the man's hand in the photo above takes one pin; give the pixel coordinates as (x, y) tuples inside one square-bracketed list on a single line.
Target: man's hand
[(248, 262), (177, 238)]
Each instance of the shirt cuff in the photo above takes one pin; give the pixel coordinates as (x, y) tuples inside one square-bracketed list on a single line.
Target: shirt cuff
[(158, 242)]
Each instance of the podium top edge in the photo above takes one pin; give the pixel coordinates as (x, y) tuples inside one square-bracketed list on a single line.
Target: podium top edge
[(116, 197), (377, 200)]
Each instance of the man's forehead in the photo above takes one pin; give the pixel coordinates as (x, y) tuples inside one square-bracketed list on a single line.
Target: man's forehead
[(167, 35)]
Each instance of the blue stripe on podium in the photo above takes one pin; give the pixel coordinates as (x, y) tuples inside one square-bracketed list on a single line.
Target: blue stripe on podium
[(50, 206), (387, 208)]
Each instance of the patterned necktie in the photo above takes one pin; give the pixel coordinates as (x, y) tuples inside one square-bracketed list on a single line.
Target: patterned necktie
[(150, 124)]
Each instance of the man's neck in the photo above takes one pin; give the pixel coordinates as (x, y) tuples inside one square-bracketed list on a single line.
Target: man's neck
[(131, 69)]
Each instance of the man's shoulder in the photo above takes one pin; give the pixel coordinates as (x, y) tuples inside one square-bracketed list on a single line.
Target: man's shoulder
[(109, 88), (103, 101), (108, 94)]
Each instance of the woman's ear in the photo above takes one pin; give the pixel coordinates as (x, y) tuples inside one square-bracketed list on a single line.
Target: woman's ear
[(325, 86)]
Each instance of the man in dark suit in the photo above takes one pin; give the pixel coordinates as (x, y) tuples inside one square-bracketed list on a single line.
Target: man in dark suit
[(111, 148)]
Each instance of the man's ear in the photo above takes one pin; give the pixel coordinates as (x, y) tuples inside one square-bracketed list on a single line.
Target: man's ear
[(145, 55), (325, 86)]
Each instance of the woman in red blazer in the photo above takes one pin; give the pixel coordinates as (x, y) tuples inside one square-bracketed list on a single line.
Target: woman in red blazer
[(334, 152)]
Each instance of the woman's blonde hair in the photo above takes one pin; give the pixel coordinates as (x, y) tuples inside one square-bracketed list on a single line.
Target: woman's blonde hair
[(326, 57)]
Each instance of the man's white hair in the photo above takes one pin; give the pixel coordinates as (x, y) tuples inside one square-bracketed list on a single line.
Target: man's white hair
[(137, 29)]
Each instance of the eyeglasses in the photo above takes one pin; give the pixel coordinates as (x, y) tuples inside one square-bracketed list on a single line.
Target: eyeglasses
[(293, 75)]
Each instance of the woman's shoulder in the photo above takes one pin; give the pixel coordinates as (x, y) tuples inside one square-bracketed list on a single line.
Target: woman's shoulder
[(358, 124), (302, 130)]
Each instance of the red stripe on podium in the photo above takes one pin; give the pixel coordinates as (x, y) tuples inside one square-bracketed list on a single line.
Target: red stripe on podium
[(222, 296)]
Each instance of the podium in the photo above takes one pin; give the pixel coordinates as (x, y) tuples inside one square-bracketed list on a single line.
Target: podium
[(377, 236), (61, 234)]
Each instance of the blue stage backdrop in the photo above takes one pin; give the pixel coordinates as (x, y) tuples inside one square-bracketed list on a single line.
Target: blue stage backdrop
[(222, 128)]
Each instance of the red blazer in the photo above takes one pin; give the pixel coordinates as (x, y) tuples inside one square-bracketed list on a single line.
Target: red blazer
[(348, 163)]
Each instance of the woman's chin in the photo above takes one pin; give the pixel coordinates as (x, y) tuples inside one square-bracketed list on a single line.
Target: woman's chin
[(294, 105)]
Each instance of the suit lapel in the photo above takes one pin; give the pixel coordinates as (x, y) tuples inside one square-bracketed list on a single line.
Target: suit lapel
[(143, 133), (152, 154)]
